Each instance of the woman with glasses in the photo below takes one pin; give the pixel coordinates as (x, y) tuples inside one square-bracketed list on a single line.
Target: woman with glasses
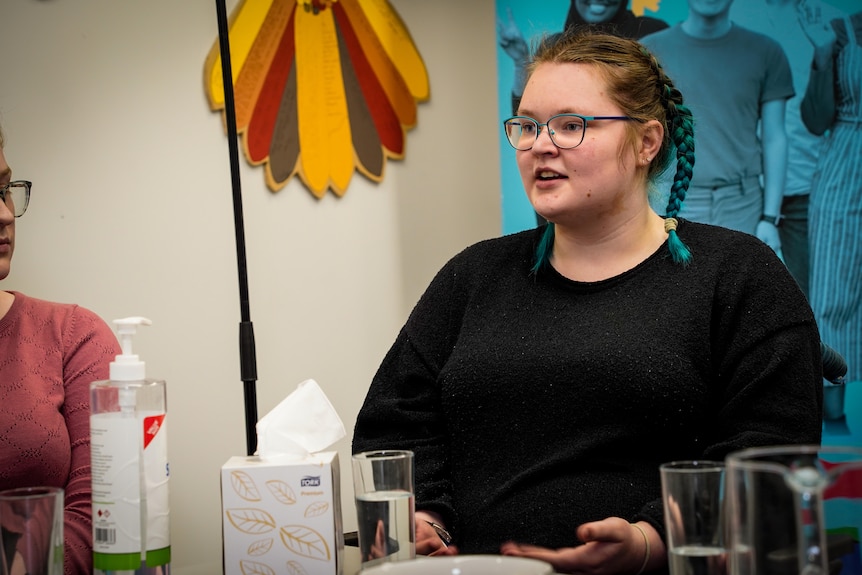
[(544, 376), (49, 355)]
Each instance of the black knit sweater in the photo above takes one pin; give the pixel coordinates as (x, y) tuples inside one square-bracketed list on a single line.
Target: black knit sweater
[(534, 403)]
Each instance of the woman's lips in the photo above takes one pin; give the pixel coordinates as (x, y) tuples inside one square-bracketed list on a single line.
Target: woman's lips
[(544, 175)]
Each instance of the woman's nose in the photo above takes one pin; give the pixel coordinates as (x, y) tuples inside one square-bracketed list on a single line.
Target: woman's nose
[(543, 143), (6, 214)]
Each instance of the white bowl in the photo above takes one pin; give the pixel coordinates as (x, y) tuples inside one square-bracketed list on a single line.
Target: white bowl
[(463, 565)]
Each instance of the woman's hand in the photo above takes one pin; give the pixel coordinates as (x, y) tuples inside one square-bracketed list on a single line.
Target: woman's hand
[(611, 546), (819, 32), (511, 39), (428, 541)]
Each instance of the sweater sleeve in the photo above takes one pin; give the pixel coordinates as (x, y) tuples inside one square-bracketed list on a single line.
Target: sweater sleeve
[(89, 346), (768, 364), (402, 409)]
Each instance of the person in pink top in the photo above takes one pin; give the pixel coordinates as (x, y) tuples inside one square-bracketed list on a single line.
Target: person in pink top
[(49, 354)]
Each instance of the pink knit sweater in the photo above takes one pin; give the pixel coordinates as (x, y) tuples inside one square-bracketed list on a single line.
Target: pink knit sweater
[(49, 355)]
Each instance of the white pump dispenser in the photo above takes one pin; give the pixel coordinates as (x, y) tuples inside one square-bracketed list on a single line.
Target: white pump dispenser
[(127, 366), (128, 447)]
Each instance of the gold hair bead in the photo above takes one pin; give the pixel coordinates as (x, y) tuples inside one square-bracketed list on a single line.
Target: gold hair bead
[(670, 224)]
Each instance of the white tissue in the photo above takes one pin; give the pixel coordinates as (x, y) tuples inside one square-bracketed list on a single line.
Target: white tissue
[(303, 423)]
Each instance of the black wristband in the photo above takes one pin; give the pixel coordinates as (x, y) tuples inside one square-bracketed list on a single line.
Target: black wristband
[(774, 220)]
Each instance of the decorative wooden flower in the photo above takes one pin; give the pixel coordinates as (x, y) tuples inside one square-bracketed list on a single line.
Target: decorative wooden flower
[(321, 88)]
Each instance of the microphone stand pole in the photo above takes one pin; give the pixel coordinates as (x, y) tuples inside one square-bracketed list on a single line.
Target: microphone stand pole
[(247, 359)]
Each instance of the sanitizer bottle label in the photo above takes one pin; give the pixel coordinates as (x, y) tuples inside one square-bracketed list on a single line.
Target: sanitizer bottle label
[(127, 449)]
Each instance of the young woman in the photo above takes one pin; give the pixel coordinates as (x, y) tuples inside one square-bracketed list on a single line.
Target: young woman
[(49, 354), (544, 376)]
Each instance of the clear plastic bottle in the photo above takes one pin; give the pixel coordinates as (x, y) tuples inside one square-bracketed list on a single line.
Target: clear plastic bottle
[(130, 469)]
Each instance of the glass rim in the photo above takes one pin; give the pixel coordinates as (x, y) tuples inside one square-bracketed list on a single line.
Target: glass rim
[(382, 454), (693, 465), (30, 492), (751, 456)]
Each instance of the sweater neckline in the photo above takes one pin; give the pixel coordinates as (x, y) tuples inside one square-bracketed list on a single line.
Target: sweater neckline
[(9, 319), (558, 278)]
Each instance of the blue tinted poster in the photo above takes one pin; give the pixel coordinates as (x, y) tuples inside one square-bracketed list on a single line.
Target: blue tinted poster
[(837, 302)]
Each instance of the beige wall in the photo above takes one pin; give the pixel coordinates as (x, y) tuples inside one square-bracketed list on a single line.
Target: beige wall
[(103, 107)]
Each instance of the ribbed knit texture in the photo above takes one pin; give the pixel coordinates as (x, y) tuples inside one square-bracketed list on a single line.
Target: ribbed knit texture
[(535, 403), (49, 355)]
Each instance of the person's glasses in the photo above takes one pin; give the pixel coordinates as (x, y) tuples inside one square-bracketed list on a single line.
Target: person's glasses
[(16, 196), (566, 130)]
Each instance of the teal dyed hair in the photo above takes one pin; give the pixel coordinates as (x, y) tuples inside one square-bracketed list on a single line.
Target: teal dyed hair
[(683, 139), (543, 250), (639, 86)]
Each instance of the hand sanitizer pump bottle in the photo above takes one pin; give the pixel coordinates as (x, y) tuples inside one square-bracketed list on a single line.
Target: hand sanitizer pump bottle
[(129, 460)]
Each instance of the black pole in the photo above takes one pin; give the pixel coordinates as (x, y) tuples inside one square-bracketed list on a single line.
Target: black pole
[(247, 359)]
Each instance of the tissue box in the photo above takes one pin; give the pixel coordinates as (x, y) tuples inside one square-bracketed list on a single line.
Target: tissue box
[(282, 515)]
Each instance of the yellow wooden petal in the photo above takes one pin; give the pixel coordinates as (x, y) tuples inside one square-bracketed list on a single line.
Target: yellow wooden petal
[(396, 40), (246, 20), (324, 127)]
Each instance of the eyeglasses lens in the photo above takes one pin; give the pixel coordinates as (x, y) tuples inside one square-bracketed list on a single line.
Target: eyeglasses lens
[(16, 198), (566, 131)]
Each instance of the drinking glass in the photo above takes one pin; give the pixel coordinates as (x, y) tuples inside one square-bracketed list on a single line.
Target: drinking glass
[(31, 524), (385, 505), (693, 496)]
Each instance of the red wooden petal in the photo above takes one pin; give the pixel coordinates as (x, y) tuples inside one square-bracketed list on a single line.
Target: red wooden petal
[(388, 127), (263, 121)]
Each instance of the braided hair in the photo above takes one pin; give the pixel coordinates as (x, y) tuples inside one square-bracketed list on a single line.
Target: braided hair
[(640, 87)]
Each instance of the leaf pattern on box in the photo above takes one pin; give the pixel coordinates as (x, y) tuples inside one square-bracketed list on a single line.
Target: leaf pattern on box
[(295, 568), (317, 508), (255, 568), (305, 541), (259, 547), (253, 521), (281, 491), (244, 486)]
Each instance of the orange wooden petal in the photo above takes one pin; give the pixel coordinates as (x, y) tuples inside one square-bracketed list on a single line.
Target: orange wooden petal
[(260, 58), (396, 89), (262, 124), (245, 20), (399, 46)]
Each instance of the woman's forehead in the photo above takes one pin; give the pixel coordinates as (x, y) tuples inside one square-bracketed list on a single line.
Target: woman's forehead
[(566, 84)]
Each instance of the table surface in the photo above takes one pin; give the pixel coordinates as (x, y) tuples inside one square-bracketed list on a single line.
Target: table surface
[(351, 565)]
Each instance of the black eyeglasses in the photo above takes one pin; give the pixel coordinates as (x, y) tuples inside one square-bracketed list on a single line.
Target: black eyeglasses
[(566, 130), (16, 196)]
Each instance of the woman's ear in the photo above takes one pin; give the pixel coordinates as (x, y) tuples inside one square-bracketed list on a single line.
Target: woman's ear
[(652, 136)]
